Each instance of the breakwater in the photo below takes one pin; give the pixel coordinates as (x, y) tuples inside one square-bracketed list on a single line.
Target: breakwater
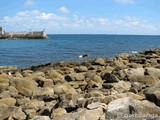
[(24, 35), (120, 88)]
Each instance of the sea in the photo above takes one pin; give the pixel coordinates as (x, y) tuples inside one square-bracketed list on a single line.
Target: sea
[(61, 47)]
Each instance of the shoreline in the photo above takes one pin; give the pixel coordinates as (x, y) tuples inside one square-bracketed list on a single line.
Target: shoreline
[(97, 89)]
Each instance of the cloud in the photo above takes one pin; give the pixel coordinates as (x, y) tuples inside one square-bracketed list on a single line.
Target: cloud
[(125, 1), (63, 9), (29, 3), (53, 23)]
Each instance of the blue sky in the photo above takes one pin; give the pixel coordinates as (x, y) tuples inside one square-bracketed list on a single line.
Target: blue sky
[(82, 17)]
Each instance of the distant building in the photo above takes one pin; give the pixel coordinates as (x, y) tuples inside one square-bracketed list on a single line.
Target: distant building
[(28, 35), (1, 31)]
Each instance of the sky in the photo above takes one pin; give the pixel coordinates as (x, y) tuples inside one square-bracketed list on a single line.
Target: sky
[(137, 17)]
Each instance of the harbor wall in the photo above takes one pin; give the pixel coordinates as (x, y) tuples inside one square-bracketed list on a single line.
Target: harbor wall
[(24, 35)]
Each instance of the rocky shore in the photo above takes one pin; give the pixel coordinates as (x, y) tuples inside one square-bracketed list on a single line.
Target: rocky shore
[(126, 87)]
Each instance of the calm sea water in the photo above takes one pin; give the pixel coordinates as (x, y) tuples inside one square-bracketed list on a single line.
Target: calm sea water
[(25, 53)]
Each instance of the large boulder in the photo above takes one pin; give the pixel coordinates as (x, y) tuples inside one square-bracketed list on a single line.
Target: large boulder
[(25, 87), (153, 94), (129, 108), (153, 72)]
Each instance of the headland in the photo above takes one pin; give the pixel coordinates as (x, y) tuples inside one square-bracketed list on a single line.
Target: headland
[(23, 35), (120, 88)]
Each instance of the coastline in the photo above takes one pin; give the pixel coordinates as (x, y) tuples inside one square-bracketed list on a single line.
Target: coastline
[(103, 88)]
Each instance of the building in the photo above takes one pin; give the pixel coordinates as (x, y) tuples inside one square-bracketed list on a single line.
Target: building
[(26, 35), (1, 31)]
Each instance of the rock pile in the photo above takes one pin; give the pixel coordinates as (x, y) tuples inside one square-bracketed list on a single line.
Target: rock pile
[(120, 88)]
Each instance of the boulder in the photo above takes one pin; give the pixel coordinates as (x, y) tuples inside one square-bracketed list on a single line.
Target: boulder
[(4, 82), (55, 75), (25, 87), (95, 81), (64, 89), (99, 61), (81, 69), (128, 108), (153, 72), (75, 77), (11, 112), (124, 56), (110, 78), (122, 86), (34, 104), (153, 94), (8, 101), (31, 113), (58, 112), (5, 94), (68, 101)]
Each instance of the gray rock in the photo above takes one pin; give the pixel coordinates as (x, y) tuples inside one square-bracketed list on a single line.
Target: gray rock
[(153, 94), (127, 108)]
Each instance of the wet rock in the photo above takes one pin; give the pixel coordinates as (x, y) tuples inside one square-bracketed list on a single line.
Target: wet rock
[(58, 112)]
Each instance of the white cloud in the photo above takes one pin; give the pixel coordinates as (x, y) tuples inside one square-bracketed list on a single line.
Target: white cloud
[(29, 3), (63, 9), (125, 1), (54, 23)]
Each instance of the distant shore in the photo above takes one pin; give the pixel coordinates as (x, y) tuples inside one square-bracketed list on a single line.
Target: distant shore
[(98, 89)]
